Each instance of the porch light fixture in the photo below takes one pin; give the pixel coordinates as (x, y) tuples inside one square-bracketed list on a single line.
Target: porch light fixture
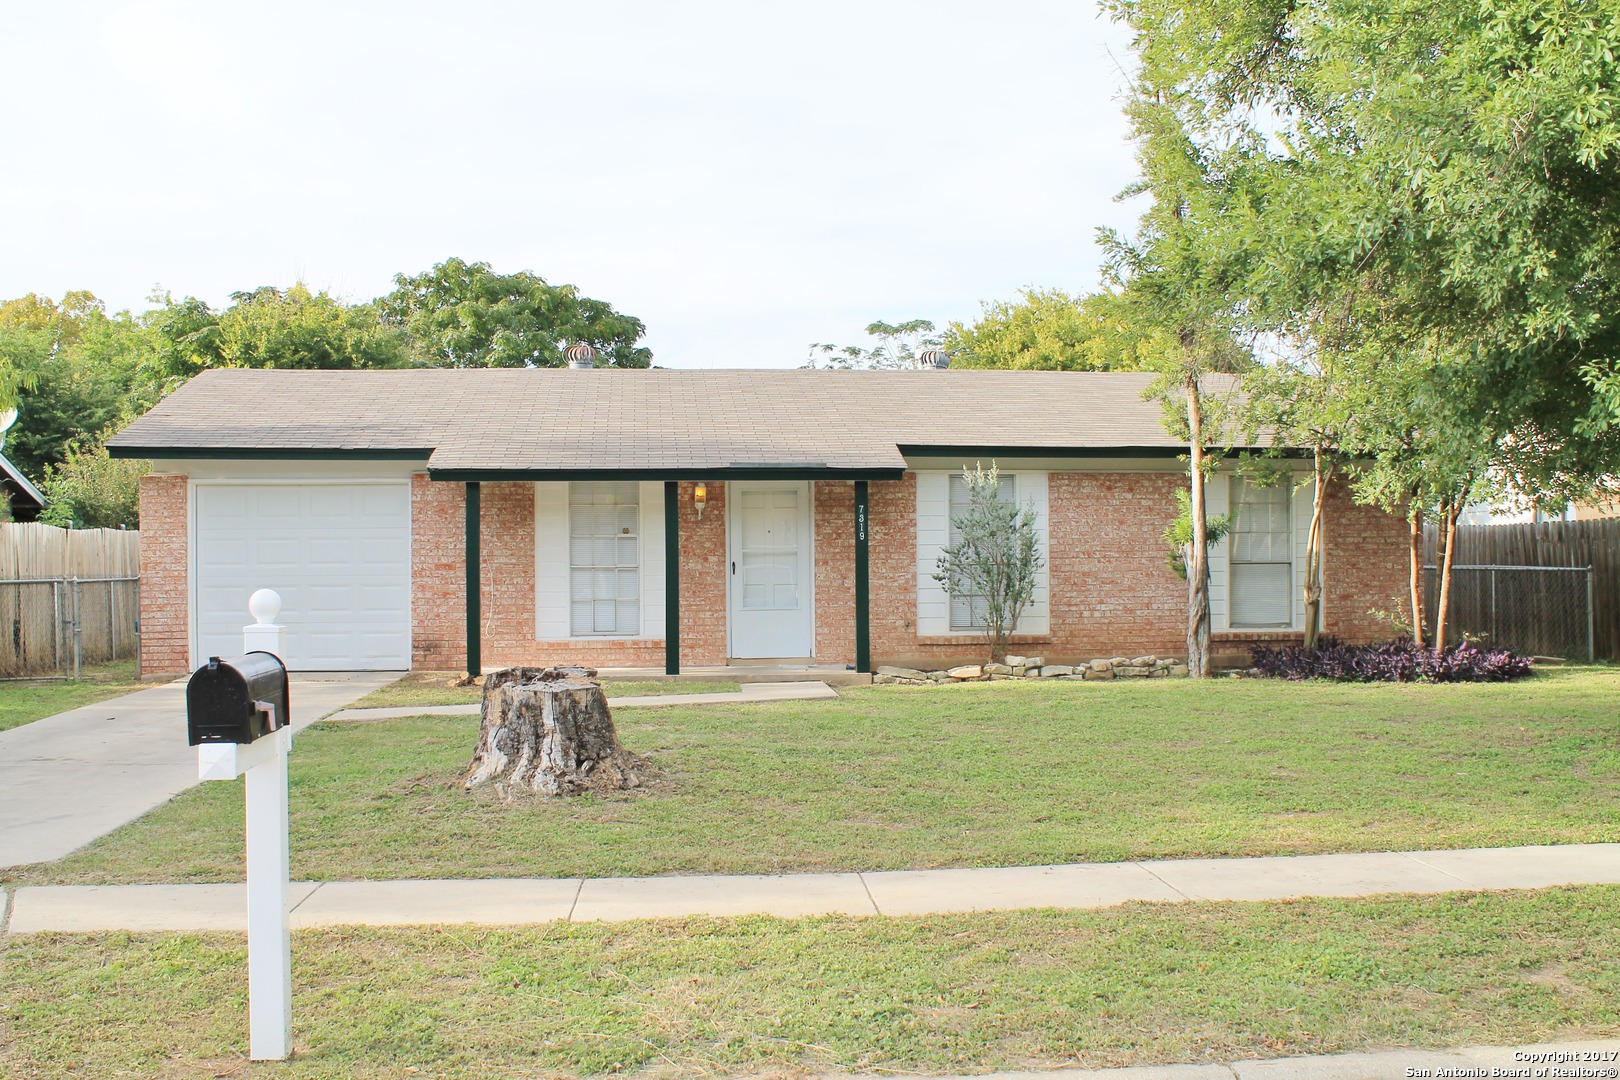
[(700, 497)]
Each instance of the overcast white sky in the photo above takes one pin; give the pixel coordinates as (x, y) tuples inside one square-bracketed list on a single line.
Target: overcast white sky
[(746, 178)]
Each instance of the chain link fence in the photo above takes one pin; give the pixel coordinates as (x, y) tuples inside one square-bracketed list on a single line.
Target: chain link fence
[(1533, 610), (58, 625)]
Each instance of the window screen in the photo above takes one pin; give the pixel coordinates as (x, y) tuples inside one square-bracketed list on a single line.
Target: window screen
[(604, 548), (967, 610), (1262, 556)]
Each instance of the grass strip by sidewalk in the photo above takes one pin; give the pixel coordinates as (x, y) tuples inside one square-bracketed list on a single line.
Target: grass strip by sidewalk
[(432, 688), (25, 701), (992, 774), (1133, 985)]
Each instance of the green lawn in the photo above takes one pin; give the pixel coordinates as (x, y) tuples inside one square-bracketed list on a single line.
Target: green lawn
[(434, 688), (24, 702), (986, 774), (706, 997)]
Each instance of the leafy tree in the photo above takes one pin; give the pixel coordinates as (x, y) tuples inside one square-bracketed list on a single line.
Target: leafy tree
[(897, 348), (92, 490), (1440, 181), (84, 373), (1183, 273), (997, 558), (1304, 399), (461, 314), (1419, 449), (1179, 533), (24, 351), (1050, 330), (270, 328), (34, 330)]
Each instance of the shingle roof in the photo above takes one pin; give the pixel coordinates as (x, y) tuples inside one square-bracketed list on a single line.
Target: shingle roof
[(551, 420)]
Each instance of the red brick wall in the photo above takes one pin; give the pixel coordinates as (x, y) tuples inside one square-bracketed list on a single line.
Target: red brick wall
[(892, 549), (1113, 592), (438, 576), (1364, 566), (703, 578), (165, 570), (835, 571)]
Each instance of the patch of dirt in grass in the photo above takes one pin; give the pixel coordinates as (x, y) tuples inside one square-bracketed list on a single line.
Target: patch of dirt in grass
[(1555, 976)]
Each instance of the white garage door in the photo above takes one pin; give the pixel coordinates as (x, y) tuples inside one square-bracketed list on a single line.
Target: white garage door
[(339, 555)]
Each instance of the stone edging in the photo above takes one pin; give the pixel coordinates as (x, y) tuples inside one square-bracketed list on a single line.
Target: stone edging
[(1036, 667)]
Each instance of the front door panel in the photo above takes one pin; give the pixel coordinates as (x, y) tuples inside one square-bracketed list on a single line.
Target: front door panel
[(772, 612)]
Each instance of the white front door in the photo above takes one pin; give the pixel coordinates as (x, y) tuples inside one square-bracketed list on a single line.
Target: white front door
[(772, 606)]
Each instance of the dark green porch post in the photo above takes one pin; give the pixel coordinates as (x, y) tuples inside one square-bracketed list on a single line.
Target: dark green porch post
[(863, 583), (475, 616), (672, 577)]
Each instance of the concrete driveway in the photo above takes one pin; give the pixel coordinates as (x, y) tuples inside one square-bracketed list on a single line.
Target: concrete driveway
[(70, 778)]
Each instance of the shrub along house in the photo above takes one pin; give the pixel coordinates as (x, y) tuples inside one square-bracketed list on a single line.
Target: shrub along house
[(438, 519)]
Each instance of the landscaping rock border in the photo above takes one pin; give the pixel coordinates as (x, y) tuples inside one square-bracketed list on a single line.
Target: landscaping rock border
[(1036, 667)]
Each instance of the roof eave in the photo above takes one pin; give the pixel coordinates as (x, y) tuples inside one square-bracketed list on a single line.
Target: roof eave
[(823, 472), (270, 453)]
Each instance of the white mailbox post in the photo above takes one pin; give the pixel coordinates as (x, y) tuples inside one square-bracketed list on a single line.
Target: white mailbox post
[(264, 762)]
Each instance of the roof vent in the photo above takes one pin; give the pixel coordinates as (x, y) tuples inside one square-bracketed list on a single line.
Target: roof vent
[(581, 356), (933, 360)]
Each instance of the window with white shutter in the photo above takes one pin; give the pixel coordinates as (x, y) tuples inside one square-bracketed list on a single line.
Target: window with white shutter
[(1262, 556), (604, 539), (968, 610)]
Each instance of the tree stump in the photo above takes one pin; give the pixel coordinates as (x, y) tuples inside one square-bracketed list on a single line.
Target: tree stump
[(548, 731)]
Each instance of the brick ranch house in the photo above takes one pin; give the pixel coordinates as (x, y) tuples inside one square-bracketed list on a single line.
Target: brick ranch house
[(665, 518)]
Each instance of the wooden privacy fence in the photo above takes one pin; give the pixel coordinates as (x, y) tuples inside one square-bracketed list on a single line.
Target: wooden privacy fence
[(1536, 612), (68, 597)]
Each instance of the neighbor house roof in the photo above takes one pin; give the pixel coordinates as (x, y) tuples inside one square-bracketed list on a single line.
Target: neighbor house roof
[(25, 497), (483, 423)]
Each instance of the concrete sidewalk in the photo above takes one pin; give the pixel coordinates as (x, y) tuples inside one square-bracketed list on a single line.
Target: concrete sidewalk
[(521, 901), (1601, 1056), (70, 778), (749, 692)]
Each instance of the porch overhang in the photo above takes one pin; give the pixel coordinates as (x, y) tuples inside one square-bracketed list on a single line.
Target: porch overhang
[(695, 472)]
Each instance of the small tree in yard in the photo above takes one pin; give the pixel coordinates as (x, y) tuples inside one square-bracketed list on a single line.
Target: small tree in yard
[(995, 561), (1179, 533), (91, 490)]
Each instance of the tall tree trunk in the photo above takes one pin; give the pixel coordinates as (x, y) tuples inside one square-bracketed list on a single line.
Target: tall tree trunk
[(1198, 554), (1415, 517), (1313, 551), (1442, 607)]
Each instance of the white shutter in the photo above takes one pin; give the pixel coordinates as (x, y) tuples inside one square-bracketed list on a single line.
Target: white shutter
[(652, 559), (933, 534), (1217, 500), (551, 574), (1304, 502)]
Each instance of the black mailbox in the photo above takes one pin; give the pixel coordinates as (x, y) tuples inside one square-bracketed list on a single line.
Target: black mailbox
[(237, 699)]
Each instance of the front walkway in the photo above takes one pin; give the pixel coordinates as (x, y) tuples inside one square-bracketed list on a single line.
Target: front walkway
[(746, 692), (67, 779), (519, 901)]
